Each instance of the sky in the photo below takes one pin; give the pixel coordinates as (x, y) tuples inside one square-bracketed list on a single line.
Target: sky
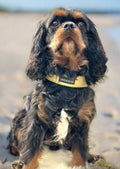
[(37, 5)]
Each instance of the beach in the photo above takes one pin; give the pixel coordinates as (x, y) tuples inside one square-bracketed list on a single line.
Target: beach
[(16, 34)]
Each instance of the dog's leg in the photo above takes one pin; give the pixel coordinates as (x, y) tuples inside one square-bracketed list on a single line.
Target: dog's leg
[(33, 163), (16, 132), (14, 151), (14, 141), (77, 161), (80, 148)]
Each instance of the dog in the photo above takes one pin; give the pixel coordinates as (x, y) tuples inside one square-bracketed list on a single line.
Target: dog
[(66, 59)]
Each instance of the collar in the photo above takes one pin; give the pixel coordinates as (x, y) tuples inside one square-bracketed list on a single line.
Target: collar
[(79, 82)]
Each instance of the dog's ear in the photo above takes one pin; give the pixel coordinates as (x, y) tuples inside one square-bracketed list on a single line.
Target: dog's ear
[(36, 63), (96, 55)]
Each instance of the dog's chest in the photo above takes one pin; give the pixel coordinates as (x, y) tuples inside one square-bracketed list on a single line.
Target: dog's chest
[(62, 127)]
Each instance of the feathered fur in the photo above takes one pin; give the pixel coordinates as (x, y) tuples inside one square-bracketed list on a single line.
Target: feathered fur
[(59, 51)]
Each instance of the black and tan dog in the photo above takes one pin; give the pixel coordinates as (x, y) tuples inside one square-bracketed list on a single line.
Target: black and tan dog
[(67, 57)]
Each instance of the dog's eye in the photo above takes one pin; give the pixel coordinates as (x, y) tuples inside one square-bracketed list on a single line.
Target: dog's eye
[(80, 24), (55, 23)]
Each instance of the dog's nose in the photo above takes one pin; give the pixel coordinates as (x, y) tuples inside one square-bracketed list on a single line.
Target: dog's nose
[(68, 26)]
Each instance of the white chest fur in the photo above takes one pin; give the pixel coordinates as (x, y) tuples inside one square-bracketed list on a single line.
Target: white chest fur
[(62, 127), (59, 159)]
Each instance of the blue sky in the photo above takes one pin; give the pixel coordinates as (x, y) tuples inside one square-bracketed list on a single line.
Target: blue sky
[(49, 4)]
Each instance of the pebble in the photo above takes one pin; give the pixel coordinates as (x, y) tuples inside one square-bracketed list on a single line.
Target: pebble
[(4, 160), (107, 114)]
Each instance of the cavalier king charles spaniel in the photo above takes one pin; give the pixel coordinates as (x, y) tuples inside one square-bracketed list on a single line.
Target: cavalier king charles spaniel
[(66, 59)]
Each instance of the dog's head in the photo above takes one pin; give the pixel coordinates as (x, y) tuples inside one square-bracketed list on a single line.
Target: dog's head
[(67, 40)]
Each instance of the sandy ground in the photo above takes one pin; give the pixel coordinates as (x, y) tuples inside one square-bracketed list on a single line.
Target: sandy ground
[(16, 32)]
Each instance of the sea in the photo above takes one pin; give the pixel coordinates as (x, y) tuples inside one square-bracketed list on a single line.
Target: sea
[(115, 33), (47, 5)]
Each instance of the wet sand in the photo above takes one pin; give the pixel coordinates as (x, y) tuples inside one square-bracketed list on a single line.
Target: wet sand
[(16, 32)]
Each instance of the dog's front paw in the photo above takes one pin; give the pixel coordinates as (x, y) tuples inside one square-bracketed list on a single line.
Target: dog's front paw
[(17, 165), (93, 158)]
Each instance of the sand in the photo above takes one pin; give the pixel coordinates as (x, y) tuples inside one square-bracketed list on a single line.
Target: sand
[(16, 32)]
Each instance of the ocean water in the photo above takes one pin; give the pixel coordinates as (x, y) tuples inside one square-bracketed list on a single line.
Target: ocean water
[(115, 33), (37, 5)]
